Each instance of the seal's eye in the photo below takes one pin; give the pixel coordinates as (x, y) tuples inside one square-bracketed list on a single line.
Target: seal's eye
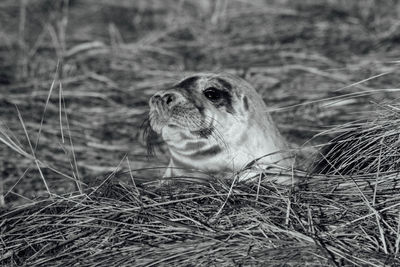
[(213, 94)]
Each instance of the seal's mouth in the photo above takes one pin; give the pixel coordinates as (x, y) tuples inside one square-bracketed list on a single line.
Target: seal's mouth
[(182, 116), (205, 132)]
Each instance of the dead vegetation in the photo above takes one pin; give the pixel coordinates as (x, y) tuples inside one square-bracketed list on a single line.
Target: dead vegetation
[(75, 77)]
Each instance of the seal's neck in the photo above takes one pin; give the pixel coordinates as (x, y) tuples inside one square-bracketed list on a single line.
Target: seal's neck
[(228, 149), (262, 141)]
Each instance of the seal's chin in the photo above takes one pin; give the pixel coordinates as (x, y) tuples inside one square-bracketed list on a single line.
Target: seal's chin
[(188, 127), (176, 124)]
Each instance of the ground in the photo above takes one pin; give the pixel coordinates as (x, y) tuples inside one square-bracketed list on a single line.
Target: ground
[(75, 77)]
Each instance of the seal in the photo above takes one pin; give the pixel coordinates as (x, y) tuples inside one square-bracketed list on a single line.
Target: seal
[(215, 123)]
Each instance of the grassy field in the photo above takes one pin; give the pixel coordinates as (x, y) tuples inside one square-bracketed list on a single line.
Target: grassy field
[(75, 78)]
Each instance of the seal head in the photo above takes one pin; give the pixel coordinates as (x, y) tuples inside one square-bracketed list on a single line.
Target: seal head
[(215, 123)]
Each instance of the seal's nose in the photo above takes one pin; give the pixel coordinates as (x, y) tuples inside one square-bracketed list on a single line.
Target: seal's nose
[(167, 98)]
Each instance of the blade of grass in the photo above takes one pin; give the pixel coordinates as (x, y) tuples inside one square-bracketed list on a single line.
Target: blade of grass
[(75, 171), (46, 104), (33, 151)]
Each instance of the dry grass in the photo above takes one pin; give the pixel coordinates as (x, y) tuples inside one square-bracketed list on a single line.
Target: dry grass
[(368, 147), (323, 222), (75, 77)]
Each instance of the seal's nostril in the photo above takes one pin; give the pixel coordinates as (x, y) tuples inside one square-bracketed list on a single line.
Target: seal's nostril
[(168, 98), (155, 99)]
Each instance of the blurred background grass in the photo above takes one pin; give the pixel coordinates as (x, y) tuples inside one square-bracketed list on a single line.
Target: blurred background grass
[(113, 55)]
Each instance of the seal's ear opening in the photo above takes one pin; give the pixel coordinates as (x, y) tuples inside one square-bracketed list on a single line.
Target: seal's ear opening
[(150, 137)]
